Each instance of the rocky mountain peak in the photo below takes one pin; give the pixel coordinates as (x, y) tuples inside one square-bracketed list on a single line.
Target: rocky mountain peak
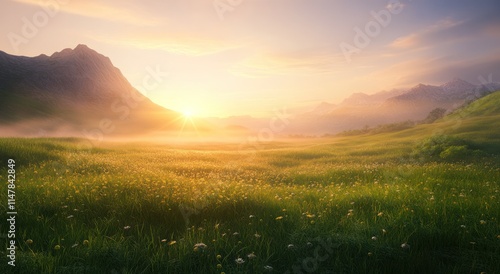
[(81, 53), (457, 84)]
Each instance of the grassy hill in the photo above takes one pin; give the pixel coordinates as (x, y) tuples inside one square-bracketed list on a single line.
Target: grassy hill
[(485, 106), (476, 124)]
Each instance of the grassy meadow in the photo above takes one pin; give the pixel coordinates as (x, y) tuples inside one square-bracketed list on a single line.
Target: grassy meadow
[(422, 200)]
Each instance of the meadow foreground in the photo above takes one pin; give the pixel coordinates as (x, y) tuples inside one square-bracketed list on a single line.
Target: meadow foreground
[(342, 205)]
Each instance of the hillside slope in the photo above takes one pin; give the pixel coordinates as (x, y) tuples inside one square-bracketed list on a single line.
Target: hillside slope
[(486, 106), (73, 91), (395, 106), (477, 124)]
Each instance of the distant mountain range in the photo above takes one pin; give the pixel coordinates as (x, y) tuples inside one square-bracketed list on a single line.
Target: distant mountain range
[(398, 105), (360, 110), (75, 91)]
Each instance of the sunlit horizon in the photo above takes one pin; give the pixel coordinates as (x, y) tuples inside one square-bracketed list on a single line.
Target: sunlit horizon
[(256, 56)]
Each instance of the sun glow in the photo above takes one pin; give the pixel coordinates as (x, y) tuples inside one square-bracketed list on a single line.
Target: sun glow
[(188, 122), (188, 113)]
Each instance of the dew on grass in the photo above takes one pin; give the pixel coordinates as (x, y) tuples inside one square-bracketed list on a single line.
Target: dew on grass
[(200, 247), (268, 268)]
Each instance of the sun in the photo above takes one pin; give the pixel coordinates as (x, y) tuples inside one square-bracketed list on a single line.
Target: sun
[(188, 121), (188, 113)]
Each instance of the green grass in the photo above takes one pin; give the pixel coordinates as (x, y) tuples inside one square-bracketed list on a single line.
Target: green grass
[(150, 190), (485, 106), (120, 207)]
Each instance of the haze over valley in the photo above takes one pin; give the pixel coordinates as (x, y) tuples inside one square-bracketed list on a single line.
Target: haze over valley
[(79, 93)]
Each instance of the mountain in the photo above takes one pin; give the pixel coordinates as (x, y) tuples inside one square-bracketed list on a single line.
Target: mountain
[(450, 92), (360, 99), (457, 87), (75, 91), (398, 105), (421, 99), (321, 109), (331, 118)]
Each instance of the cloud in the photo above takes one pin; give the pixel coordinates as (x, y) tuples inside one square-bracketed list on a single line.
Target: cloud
[(178, 43), (441, 69), (492, 31), (100, 10), (449, 30), (395, 5), (424, 37), (408, 41), (271, 63)]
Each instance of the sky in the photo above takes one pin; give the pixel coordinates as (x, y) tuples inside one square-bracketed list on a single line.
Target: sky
[(251, 57)]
